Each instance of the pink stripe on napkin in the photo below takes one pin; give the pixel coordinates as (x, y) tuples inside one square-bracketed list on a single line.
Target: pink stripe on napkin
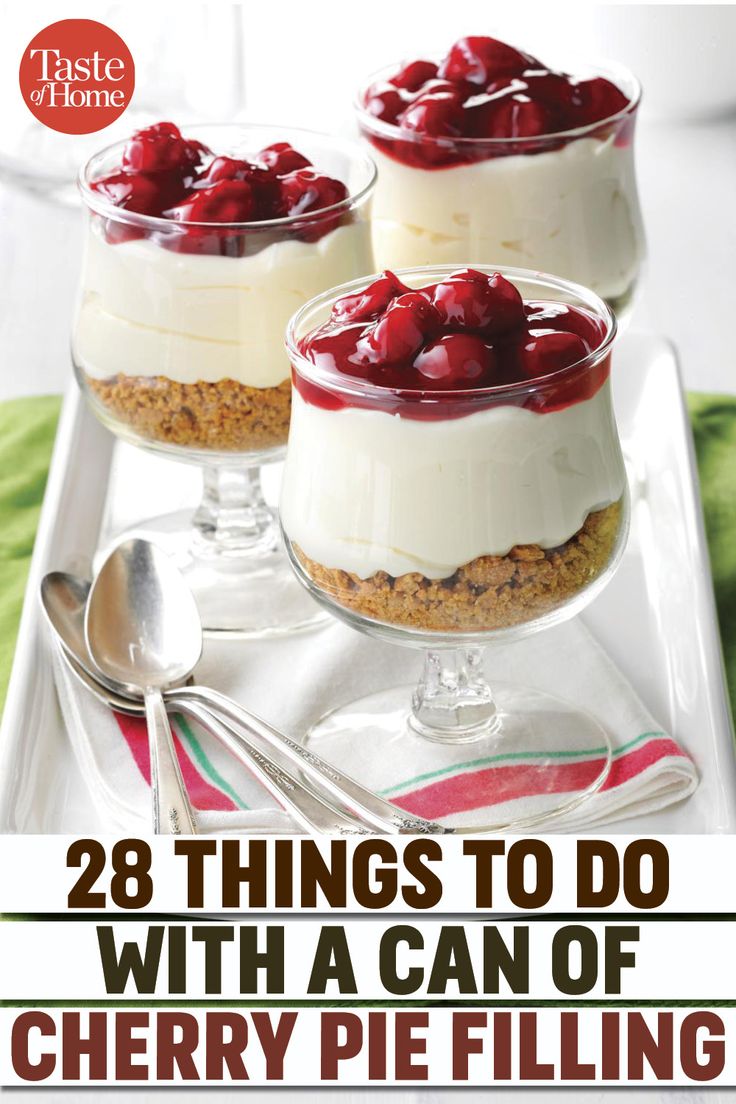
[(494, 785), (202, 794)]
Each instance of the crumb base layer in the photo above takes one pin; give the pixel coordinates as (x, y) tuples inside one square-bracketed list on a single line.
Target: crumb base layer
[(489, 593), (225, 416)]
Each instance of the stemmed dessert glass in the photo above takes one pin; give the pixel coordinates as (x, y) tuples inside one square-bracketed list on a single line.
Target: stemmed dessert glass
[(178, 347), (563, 202), (447, 521)]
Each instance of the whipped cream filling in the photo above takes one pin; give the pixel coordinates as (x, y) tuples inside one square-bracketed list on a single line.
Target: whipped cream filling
[(573, 212), (148, 311), (366, 491)]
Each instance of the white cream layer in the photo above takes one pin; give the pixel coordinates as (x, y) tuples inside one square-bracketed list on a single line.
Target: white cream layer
[(147, 311), (366, 491), (573, 212)]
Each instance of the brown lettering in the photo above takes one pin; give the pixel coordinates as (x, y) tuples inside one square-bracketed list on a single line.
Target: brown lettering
[(407, 1045), (22, 1027), (194, 851), (571, 1068), (713, 1048), (332, 1051), (463, 1044), (126, 1045), (234, 874), (218, 1053), (171, 1053), (274, 1042), (606, 853)]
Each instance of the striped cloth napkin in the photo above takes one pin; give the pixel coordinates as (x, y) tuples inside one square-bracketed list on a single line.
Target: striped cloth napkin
[(294, 680)]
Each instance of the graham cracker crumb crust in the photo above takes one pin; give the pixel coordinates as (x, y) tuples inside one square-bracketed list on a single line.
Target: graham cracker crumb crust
[(225, 416), (490, 592)]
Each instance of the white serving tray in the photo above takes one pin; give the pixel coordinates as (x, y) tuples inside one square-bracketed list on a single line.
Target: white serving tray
[(656, 618)]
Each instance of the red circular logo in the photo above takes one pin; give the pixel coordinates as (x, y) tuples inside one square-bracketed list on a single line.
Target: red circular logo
[(77, 76)]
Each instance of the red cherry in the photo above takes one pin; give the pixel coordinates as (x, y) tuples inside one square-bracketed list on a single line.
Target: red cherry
[(466, 302), (598, 99), (335, 350), (414, 75), (384, 101), (514, 116), (471, 299), (435, 115), (307, 190), (197, 152), (262, 183), (225, 201), (159, 148), (367, 304), (456, 361), (400, 333), (144, 193), (508, 306), (228, 168), (542, 352), (559, 316), (554, 90), (147, 194), (481, 60), (416, 346), (281, 158), (503, 86), (437, 87)]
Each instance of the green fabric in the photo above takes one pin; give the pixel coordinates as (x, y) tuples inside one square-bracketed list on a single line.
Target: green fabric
[(714, 429), (26, 437), (27, 428)]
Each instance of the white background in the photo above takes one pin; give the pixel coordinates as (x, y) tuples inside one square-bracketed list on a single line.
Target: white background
[(301, 63)]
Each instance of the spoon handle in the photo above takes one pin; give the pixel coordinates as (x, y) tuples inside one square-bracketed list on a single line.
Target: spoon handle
[(370, 806), (311, 812), (172, 813)]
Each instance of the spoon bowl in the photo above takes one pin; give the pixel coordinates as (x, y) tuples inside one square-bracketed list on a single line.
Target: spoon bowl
[(142, 629), (64, 601), (143, 634)]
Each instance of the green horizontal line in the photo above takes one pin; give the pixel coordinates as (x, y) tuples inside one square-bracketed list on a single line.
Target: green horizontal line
[(474, 764)]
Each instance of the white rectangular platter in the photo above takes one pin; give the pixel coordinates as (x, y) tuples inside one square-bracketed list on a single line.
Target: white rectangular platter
[(656, 618)]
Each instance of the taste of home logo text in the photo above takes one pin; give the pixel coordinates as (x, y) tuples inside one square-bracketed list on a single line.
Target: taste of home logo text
[(77, 76)]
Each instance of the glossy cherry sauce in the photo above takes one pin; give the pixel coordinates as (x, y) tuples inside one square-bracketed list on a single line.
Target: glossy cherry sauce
[(485, 89), (167, 176), (434, 352)]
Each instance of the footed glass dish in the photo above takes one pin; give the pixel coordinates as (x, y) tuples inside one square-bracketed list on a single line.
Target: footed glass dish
[(464, 496)]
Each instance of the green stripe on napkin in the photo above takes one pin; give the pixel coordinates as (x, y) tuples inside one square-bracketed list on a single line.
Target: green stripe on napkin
[(27, 428), (714, 429), (26, 437)]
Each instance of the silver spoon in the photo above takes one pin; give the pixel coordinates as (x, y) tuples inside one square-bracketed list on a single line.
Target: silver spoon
[(143, 633), (306, 808), (64, 597)]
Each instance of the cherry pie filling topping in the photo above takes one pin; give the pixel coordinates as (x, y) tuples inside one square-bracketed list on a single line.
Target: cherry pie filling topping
[(451, 348), (169, 177), (485, 89)]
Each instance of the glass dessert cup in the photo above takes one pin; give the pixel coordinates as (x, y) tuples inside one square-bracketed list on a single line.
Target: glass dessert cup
[(564, 203), (481, 517), (178, 347)]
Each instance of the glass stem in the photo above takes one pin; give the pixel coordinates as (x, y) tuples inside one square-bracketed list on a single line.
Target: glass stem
[(453, 702), (233, 518)]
